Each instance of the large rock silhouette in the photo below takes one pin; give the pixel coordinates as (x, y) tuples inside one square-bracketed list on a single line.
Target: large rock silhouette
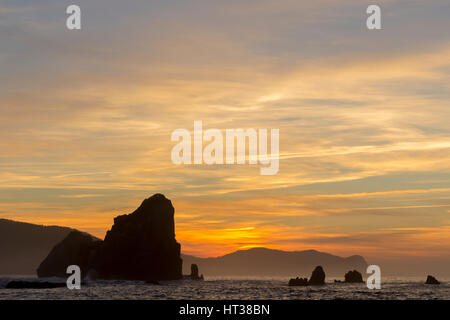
[(140, 246), (77, 248)]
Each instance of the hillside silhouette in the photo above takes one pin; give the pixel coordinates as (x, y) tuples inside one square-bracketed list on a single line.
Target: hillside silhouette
[(24, 245)]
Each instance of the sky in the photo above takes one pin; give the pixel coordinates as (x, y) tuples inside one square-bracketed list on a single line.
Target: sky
[(87, 116)]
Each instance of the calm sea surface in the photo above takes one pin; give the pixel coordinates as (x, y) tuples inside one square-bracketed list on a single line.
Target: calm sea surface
[(277, 289)]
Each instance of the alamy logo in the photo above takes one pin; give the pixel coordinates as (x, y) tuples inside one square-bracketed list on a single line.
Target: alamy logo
[(374, 20), (73, 22), (374, 281), (74, 280), (213, 153)]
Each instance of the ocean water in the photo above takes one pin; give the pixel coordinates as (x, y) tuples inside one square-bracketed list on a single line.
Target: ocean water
[(217, 288)]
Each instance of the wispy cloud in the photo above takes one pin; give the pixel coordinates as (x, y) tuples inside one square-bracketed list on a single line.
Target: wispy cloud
[(363, 119)]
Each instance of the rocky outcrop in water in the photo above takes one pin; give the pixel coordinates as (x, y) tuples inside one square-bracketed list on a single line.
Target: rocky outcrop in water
[(353, 277), (432, 280), (140, 246), (23, 246), (298, 282), (317, 277), (194, 273), (17, 284), (77, 248)]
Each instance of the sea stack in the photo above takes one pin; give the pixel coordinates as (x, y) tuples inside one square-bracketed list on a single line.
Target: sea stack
[(140, 246), (194, 272), (353, 277), (432, 280), (317, 277)]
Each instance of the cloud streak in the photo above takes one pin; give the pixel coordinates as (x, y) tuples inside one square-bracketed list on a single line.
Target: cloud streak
[(363, 118)]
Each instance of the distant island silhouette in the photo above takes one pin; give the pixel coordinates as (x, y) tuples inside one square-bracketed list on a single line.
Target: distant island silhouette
[(266, 262)]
